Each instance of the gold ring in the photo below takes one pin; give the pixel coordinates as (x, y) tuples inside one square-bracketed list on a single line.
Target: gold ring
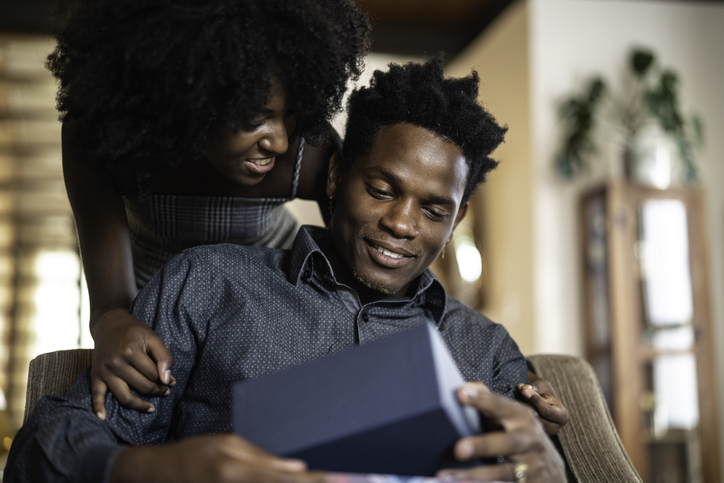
[(520, 470)]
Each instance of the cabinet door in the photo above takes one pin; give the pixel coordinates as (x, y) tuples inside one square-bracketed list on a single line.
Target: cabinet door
[(648, 330)]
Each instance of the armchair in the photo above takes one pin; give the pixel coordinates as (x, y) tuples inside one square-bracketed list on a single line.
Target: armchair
[(589, 442)]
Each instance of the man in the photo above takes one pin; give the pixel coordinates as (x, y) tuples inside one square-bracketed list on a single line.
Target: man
[(416, 148)]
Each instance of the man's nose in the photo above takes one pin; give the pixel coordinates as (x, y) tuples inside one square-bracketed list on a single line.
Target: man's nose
[(401, 219)]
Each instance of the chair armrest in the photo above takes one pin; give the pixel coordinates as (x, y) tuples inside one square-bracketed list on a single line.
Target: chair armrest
[(53, 373), (590, 442)]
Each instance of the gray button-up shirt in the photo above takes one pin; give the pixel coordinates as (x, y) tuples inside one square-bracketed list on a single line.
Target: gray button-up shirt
[(227, 313)]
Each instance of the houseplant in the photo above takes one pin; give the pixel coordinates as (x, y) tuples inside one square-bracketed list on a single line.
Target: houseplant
[(651, 101)]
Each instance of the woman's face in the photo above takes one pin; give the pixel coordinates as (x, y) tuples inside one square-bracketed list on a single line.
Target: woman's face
[(246, 156)]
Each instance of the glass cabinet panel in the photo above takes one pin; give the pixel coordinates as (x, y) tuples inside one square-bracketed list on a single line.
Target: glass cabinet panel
[(647, 328)]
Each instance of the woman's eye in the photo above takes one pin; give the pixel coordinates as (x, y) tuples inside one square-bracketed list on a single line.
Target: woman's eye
[(253, 125)]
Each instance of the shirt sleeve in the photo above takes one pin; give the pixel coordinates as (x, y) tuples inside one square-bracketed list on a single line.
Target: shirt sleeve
[(510, 368), (64, 441)]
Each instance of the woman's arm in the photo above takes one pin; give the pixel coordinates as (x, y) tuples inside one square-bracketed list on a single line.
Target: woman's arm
[(127, 352)]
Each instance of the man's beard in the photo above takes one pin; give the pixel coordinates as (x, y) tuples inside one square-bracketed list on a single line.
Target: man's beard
[(385, 289)]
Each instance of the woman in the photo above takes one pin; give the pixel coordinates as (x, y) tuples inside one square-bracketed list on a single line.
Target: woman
[(189, 122)]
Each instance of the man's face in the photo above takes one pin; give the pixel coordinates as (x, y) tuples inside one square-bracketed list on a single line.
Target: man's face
[(396, 207)]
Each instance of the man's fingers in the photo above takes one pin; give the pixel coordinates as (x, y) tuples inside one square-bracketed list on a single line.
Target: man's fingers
[(163, 359), (490, 445), (481, 473), (245, 451), (98, 397), (497, 407)]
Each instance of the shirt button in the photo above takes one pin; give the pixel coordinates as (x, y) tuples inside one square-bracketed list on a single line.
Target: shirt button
[(366, 317), (307, 275)]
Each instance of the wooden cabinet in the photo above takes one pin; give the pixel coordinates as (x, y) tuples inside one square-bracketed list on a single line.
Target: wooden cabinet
[(648, 326)]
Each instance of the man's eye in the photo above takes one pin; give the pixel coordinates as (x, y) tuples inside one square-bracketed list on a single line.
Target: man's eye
[(435, 215), (377, 193)]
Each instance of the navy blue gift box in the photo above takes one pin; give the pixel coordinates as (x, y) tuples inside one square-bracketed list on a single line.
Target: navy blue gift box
[(388, 406)]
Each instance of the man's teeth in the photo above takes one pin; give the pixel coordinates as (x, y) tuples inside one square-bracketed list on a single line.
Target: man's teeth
[(261, 162), (387, 252)]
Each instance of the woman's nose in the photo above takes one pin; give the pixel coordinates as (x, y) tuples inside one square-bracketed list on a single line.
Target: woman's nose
[(275, 139)]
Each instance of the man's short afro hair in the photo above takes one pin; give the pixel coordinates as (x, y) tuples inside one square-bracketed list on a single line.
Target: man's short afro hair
[(147, 81), (419, 94)]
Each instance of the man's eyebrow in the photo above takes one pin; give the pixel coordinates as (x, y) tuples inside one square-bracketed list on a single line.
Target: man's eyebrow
[(432, 198), (441, 200)]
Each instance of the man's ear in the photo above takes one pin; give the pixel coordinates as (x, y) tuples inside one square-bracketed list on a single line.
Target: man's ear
[(458, 218), (334, 175)]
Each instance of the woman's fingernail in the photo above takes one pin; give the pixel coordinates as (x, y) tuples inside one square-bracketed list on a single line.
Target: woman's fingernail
[(167, 376), (101, 415), (151, 410), (168, 391)]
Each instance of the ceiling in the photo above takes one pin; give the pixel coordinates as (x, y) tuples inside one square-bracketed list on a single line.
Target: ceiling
[(419, 27), (411, 27)]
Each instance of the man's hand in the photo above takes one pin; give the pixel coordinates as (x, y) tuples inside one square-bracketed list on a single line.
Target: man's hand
[(218, 458), (128, 353), (541, 396), (520, 439)]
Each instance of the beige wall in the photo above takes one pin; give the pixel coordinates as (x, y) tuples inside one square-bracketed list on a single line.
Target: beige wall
[(538, 51), (500, 56), (570, 40)]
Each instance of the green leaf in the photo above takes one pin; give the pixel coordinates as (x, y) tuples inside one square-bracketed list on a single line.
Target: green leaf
[(698, 128), (641, 61), (668, 84), (596, 90)]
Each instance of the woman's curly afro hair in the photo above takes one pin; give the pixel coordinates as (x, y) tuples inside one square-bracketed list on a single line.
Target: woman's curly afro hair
[(148, 81), (419, 94)]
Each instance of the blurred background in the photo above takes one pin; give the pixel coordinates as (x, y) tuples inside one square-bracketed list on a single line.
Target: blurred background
[(591, 238)]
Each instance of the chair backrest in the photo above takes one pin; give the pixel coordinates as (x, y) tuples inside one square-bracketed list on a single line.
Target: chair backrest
[(53, 373), (590, 442)]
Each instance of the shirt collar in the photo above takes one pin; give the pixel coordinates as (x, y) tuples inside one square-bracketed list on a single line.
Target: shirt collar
[(307, 258)]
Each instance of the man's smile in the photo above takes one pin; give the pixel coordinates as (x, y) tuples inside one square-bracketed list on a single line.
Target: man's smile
[(389, 255)]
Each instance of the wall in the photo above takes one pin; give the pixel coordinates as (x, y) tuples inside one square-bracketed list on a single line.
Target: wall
[(570, 39), (535, 53), (500, 56)]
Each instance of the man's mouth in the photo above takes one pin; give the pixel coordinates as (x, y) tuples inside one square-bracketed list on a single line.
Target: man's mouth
[(387, 252), (388, 255)]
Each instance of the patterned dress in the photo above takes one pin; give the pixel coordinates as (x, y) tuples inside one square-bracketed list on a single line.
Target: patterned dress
[(162, 226)]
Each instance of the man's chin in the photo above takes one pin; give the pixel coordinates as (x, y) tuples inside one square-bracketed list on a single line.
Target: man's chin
[(374, 285)]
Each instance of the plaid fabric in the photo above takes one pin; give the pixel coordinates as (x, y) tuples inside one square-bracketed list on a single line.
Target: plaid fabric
[(162, 226)]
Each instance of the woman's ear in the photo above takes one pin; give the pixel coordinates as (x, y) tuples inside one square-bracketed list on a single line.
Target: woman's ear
[(334, 175)]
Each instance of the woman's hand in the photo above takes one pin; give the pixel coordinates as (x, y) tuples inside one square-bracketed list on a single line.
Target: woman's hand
[(539, 394), (128, 354), (518, 435)]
